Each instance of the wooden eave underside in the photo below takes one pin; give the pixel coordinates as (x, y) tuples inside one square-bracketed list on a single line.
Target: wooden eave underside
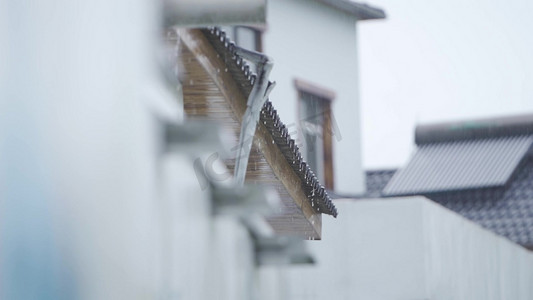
[(214, 65), (240, 71)]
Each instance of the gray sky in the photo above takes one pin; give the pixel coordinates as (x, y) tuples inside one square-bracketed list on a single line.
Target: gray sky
[(437, 61)]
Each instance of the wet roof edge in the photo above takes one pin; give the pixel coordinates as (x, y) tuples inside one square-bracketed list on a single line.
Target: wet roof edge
[(361, 11), (275, 126)]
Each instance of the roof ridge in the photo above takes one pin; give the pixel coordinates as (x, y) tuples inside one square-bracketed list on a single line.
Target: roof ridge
[(361, 11), (474, 129), (315, 192)]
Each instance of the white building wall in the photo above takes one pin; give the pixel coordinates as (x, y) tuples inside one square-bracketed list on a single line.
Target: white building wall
[(204, 256), (314, 42), (411, 248), (465, 261)]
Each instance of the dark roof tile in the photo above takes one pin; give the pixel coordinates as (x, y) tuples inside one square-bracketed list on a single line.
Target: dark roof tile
[(376, 180), (507, 211)]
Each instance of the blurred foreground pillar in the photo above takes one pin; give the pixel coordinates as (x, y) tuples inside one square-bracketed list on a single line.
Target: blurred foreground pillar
[(77, 150)]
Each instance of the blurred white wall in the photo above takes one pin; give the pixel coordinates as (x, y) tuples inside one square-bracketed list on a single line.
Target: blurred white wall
[(205, 256), (317, 43), (90, 207), (77, 150), (410, 248)]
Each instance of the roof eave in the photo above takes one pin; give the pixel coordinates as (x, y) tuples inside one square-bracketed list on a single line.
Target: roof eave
[(361, 11)]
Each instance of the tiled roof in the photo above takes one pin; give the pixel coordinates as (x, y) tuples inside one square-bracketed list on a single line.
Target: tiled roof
[(486, 167), (459, 165), (507, 211), (237, 66), (376, 180)]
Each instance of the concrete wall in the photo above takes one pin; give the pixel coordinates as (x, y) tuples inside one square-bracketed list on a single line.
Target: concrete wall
[(410, 248), (314, 42), (204, 256)]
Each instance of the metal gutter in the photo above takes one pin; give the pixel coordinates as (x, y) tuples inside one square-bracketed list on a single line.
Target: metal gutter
[(256, 99)]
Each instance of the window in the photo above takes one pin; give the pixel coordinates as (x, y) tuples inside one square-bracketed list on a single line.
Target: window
[(315, 118), (248, 37)]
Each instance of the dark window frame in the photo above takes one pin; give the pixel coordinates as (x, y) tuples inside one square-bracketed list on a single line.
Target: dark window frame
[(323, 98)]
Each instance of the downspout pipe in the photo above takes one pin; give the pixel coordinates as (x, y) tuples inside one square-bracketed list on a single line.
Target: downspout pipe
[(259, 94)]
